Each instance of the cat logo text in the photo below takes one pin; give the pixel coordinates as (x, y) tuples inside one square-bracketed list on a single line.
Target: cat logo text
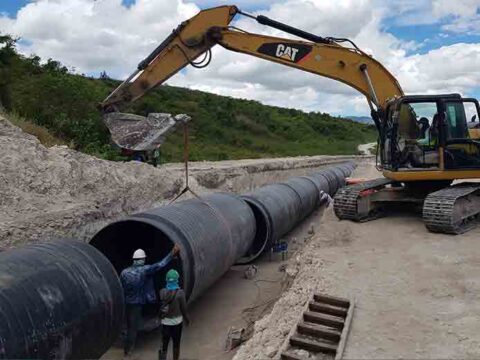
[(289, 52)]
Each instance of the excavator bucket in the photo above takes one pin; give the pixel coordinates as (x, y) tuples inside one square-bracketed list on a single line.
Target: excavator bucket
[(140, 133)]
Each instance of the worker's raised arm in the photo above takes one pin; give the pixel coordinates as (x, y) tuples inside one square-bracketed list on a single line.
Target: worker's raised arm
[(196, 36), (151, 269)]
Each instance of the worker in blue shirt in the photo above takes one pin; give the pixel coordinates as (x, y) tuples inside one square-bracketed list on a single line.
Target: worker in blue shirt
[(138, 288)]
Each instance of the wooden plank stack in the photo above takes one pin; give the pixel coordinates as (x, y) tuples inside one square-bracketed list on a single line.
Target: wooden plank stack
[(322, 329)]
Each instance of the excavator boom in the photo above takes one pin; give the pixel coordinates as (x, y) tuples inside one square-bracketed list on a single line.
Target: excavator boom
[(182, 47), (196, 36)]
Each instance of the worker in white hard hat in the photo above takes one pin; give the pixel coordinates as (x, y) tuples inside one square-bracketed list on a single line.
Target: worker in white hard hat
[(138, 289)]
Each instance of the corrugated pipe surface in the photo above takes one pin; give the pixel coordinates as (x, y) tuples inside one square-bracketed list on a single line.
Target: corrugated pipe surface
[(60, 300), (219, 230), (280, 207), (212, 234)]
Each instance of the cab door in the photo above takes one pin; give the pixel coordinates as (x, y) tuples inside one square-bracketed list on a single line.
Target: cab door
[(461, 150)]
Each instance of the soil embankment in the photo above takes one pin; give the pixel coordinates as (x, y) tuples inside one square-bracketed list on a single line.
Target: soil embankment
[(58, 192)]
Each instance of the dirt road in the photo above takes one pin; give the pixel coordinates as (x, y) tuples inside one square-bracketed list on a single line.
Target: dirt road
[(416, 292), (367, 149)]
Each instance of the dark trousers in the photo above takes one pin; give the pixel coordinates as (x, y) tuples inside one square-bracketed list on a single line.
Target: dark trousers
[(134, 317), (173, 332)]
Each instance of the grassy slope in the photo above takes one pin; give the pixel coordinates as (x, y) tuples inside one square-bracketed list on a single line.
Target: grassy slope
[(225, 128), (221, 128)]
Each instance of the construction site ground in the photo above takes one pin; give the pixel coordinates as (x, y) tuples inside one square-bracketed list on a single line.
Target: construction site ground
[(416, 292)]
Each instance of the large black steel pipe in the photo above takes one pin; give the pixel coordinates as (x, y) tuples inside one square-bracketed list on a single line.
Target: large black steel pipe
[(64, 299), (280, 207), (308, 193), (60, 300), (218, 231), (333, 178), (212, 233)]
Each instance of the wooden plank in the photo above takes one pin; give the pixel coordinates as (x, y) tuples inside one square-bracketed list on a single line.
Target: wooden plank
[(328, 309), (310, 345), (291, 356), (332, 300), (319, 331), (293, 330), (346, 330), (321, 319)]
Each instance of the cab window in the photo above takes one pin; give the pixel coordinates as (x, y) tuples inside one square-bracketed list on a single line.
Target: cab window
[(418, 121), (456, 121)]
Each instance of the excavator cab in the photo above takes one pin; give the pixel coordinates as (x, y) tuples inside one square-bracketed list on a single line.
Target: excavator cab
[(431, 132)]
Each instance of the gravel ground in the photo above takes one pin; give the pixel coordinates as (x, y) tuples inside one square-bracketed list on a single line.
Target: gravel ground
[(416, 292)]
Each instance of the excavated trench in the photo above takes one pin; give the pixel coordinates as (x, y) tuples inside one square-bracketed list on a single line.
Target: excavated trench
[(45, 203), (216, 231)]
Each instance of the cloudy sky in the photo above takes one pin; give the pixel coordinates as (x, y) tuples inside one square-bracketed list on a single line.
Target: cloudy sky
[(430, 46)]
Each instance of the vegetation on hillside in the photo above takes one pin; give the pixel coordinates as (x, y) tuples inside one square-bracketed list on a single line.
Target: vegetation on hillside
[(53, 98)]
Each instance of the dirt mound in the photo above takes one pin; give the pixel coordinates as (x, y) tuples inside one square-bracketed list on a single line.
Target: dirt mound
[(58, 189)]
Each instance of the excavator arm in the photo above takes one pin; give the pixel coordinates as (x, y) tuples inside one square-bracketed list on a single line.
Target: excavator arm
[(195, 38)]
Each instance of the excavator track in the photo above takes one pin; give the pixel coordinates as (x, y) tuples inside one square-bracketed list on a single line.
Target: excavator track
[(345, 204), (453, 210)]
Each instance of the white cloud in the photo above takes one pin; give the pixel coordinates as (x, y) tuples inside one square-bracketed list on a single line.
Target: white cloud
[(447, 69), (104, 35), (458, 16), (242, 4), (96, 35), (464, 13), (462, 8)]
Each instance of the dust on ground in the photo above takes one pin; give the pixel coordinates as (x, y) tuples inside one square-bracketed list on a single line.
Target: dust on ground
[(416, 292)]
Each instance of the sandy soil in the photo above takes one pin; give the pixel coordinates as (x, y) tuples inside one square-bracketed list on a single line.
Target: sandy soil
[(416, 292)]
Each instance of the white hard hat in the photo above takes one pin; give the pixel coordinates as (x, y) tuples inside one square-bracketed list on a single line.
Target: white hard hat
[(139, 254)]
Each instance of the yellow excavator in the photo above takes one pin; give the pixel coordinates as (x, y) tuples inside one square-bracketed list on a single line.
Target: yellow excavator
[(425, 142)]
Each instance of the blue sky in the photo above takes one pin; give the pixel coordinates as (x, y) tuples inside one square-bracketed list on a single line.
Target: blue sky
[(12, 6), (431, 46)]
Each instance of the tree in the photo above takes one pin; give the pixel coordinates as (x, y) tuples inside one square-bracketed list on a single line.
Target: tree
[(104, 76), (7, 57)]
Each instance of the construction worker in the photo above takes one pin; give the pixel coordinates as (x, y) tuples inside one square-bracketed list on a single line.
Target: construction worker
[(173, 313), (138, 289), (156, 156)]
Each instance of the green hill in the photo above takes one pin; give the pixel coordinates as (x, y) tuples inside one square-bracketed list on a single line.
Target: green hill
[(48, 95)]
